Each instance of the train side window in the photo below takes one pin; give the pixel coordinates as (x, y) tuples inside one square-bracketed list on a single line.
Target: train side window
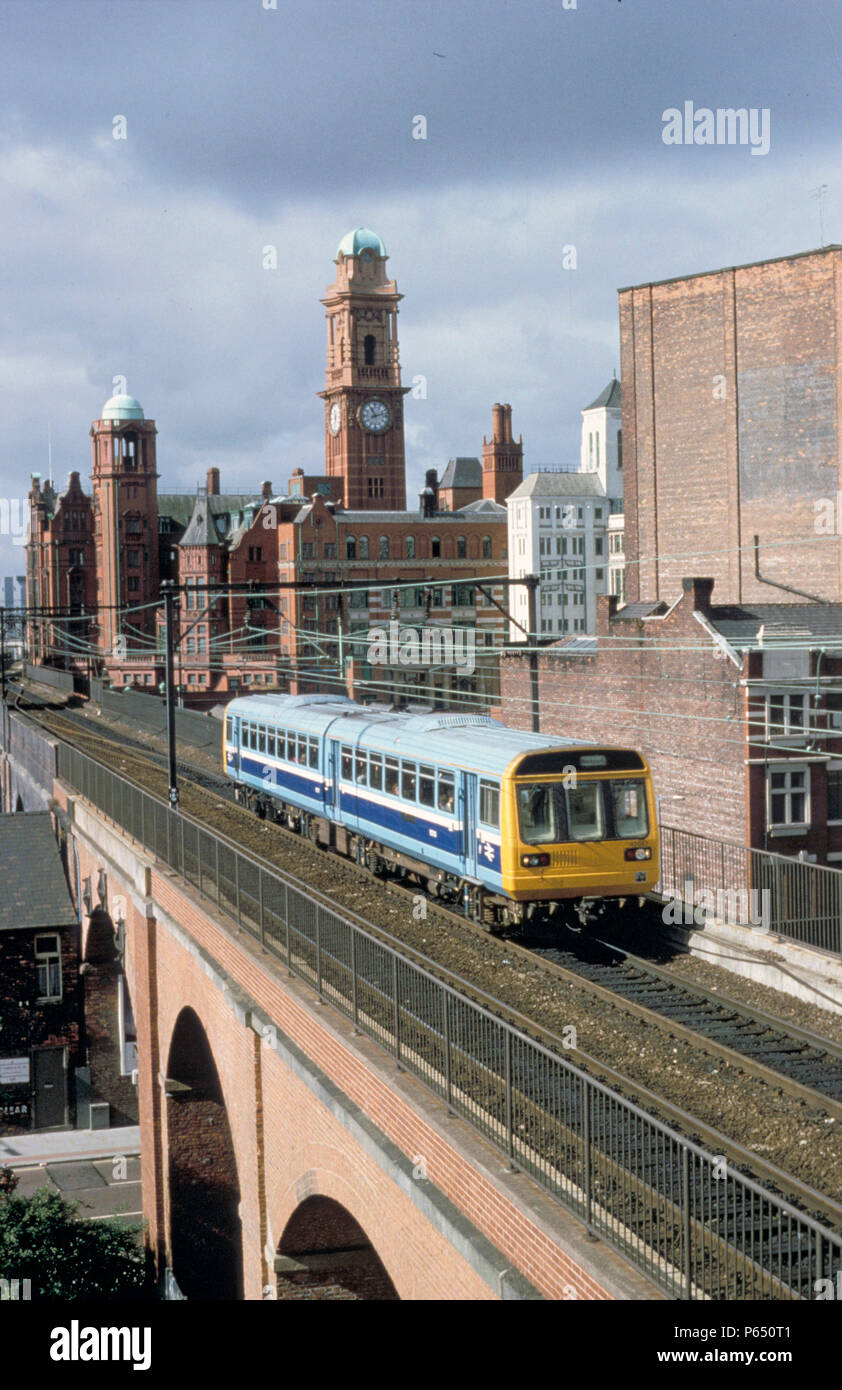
[(270, 742), (313, 751), (247, 735), (426, 785), (282, 744), (347, 763), (375, 771), (292, 747), (361, 768), (229, 729), (261, 739), (408, 780), (392, 779), (489, 804), (447, 791)]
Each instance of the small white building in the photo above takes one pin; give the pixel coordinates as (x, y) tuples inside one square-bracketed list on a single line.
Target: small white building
[(567, 527)]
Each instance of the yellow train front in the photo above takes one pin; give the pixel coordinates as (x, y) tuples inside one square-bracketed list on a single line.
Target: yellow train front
[(577, 823)]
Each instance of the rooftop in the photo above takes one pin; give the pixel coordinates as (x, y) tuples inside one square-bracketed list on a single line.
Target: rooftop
[(362, 239), (746, 265), (462, 472), (611, 398), (558, 485), (35, 892)]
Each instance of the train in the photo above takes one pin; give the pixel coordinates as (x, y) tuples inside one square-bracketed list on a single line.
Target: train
[(507, 824)]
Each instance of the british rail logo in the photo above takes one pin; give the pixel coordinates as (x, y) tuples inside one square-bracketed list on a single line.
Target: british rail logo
[(426, 646)]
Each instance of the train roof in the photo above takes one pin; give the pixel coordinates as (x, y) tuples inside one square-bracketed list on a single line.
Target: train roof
[(472, 741)]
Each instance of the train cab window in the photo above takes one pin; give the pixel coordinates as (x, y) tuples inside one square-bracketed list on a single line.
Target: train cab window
[(585, 814), (270, 742), (375, 771), (361, 768), (426, 785), (629, 803), (392, 781), (446, 791), (408, 780), (347, 764), (489, 804), (313, 752), (540, 814), (261, 739)]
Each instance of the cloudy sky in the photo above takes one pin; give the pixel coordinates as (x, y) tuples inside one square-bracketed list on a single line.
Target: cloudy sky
[(255, 123)]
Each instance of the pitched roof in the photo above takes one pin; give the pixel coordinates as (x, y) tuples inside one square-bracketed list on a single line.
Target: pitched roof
[(35, 892), (632, 612), (611, 397), (788, 623), (179, 505), (484, 506), (202, 528), (558, 485), (462, 472)]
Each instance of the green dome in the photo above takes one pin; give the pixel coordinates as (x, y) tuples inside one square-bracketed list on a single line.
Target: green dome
[(363, 239), (122, 408)]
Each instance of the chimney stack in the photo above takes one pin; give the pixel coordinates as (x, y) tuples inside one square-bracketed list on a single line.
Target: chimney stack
[(266, 490), (213, 482)]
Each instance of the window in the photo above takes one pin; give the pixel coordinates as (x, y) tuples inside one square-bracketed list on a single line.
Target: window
[(789, 803), (392, 783), (132, 526), (489, 803), (133, 558), (369, 345), (376, 488), (446, 791), (408, 781), (76, 556), (435, 547), (426, 785), (255, 552), (329, 550), (628, 799), (48, 966), (351, 548), (464, 596), (358, 598), (361, 768), (834, 796), (261, 739), (363, 547), (787, 716), (383, 547), (409, 548), (347, 763), (270, 742), (307, 550), (133, 583), (597, 545), (375, 771), (461, 548), (229, 729)]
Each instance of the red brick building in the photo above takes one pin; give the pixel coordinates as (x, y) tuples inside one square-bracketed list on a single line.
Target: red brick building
[(737, 708), (732, 428)]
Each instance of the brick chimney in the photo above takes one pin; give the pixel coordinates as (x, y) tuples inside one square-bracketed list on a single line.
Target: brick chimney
[(502, 458), (699, 592), (213, 482), (266, 490)]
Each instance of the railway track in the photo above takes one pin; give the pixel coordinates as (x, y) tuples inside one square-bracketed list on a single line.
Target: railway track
[(621, 1200)]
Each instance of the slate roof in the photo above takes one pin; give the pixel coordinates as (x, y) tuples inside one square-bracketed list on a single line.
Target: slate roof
[(35, 892), (179, 505), (462, 472), (484, 506), (740, 624), (632, 612), (611, 397), (558, 485), (202, 528)]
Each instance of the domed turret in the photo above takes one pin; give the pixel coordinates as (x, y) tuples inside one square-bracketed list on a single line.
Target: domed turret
[(363, 239), (122, 408)]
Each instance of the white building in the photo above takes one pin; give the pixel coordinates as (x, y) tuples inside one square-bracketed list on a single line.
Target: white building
[(567, 527)]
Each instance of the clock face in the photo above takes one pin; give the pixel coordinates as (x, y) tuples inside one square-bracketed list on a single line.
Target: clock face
[(335, 418), (375, 416)]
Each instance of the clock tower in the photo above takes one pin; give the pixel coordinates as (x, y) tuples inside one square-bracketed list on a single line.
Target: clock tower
[(363, 396)]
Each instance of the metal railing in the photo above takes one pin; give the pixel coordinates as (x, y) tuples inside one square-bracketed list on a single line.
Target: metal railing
[(803, 901), (698, 1231)]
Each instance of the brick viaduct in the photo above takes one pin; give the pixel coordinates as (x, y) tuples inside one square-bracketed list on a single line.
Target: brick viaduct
[(279, 1149)]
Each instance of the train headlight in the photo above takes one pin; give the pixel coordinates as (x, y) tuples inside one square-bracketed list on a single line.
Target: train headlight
[(640, 853), (534, 861)]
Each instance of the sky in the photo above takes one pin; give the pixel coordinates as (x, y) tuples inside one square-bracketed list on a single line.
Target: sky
[(252, 124)]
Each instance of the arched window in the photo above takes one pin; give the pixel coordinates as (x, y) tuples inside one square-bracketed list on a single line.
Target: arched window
[(351, 548), (369, 345), (384, 547), (409, 548), (486, 547), (435, 548), (363, 547), (461, 548)]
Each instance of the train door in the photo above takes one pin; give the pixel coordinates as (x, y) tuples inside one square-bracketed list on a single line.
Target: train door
[(468, 814), (332, 778), (232, 743)]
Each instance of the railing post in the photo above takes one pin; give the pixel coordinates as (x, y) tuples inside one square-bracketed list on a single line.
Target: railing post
[(686, 1225), (448, 1067), (396, 1007), (218, 890), (286, 925), (586, 1147), (237, 889), (319, 950), (260, 906), (354, 1003), (510, 1137)]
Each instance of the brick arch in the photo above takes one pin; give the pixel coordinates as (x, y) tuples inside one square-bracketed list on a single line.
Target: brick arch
[(99, 941), (206, 1237), (325, 1253)]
